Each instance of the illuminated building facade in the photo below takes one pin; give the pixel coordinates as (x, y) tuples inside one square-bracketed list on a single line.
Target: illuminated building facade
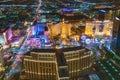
[(13, 37), (99, 28), (61, 64), (79, 63), (62, 28), (41, 66)]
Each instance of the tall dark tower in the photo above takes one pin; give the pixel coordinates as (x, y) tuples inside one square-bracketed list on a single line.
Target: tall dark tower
[(116, 36), (102, 14)]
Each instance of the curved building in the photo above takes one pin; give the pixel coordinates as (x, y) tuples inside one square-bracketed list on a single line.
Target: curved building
[(57, 64)]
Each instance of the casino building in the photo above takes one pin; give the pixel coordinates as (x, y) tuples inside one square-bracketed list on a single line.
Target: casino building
[(58, 64)]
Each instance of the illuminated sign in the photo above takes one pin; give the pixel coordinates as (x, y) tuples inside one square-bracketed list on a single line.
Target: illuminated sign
[(67, 10)]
